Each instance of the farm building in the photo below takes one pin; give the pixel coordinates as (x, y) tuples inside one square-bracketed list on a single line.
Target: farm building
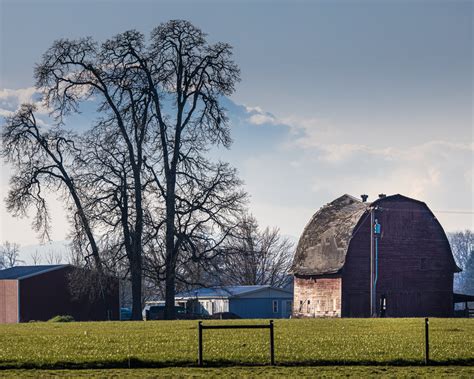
[(244, 301), (42, 292), (389, 258)]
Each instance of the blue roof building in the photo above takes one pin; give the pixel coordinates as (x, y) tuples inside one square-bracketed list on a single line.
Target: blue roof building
[(244, 301)]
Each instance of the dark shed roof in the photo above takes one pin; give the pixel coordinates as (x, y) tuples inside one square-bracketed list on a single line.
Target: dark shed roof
[(323, 245), (22, 272)]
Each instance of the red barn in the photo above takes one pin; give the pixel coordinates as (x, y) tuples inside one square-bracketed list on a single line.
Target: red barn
[(359, 259), (42, 292)]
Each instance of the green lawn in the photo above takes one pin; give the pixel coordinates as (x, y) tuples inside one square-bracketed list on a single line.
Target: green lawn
[(256, 371), (314, 342)]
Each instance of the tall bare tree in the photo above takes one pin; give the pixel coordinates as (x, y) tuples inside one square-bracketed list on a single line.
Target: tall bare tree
[(192, 75), (72, 72), (159, 110)]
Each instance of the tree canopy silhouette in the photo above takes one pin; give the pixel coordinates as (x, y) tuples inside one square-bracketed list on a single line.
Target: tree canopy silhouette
[(138, 182)]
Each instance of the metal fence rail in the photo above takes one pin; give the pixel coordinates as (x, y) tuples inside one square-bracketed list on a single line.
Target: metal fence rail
[(201, 327)]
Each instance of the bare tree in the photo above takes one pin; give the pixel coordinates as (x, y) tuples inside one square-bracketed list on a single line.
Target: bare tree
[(42, 161), (9, 255), (35, 258), (53, 258), (256, 257), (73, 71), (462, 246), (192, 75), (138, 179), (468, 283)]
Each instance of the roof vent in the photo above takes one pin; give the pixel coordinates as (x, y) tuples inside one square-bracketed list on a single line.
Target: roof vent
[(364, 198), (382, 195)]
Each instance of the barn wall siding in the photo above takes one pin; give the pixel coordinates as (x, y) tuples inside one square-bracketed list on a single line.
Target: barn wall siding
[(47, 295), (415, 264), (317, 297), (8, 301)]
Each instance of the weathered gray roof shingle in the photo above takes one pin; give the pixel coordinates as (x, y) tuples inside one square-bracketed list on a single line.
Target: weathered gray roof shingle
[(323, 245)]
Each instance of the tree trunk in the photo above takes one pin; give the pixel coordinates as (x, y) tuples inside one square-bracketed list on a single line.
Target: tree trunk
[(170, 292), (137, 271), (170, 250), (136, 276)]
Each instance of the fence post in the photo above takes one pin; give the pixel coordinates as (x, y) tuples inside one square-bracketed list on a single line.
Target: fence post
[(272, 345), (427, 341), (200, 343)]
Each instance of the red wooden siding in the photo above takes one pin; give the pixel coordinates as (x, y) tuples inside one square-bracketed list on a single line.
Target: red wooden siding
[(8, 301), (415, 264), (47, 295)]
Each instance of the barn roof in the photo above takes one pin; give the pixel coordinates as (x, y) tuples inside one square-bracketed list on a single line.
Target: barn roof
[(23, 272), (323, 245), (226, 291)]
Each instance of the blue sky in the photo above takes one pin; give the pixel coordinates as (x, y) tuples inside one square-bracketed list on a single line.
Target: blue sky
[(336, 96)]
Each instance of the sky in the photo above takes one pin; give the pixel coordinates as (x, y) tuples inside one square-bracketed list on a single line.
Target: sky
[(336, 96)]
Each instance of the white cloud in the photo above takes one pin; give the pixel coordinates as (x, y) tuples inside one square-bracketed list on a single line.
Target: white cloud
[(260, 119), (257, 116), (253, 109), (5, 113), (11, 99), (21, 95), (321, 161)]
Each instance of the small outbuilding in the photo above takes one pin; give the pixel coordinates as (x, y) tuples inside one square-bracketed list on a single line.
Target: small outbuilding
[(387, 258), (244, 301), (41, 292)]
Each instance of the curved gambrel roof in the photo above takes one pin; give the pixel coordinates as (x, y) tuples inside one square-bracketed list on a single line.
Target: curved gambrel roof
[(323, 245)]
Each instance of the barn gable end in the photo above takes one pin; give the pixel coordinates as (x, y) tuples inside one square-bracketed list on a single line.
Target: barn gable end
[(318, 296)]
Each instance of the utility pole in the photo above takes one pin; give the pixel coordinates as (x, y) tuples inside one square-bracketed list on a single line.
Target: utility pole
[(374, 239)]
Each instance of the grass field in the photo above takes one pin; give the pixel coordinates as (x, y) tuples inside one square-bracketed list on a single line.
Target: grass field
[(256, 371), (161, 344)]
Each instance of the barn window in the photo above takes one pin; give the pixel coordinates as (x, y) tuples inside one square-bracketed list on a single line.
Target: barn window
[(308, 307), (275, 306)]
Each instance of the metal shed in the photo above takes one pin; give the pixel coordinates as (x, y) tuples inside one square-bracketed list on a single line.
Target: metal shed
[(41, 292)]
